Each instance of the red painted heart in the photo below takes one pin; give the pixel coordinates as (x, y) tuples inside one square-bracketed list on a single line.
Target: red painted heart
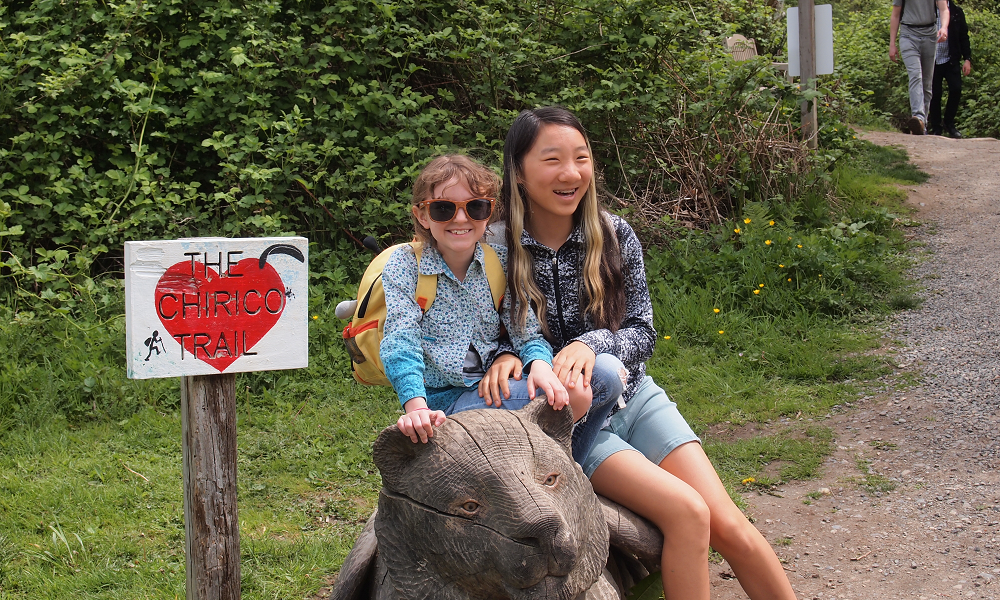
[(216, 319)]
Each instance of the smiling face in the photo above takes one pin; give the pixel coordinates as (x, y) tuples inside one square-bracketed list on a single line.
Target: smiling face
[(556, 172), (456, 239)]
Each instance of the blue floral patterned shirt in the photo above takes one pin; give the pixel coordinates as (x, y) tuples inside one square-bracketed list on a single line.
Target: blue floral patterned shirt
[(444, 352)]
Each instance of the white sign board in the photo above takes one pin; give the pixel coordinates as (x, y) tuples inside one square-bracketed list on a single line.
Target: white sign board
[(823, 18), (204, 306)]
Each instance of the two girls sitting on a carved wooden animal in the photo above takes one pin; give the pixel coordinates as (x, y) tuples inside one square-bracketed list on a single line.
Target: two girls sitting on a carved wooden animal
[(581, 267), (436, 359)]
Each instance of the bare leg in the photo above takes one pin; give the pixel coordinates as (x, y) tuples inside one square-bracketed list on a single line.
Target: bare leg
[(753, 561), (630, 479), (580, 399)]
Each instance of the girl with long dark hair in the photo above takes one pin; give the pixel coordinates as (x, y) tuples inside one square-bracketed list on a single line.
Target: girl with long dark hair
[(581, 269)]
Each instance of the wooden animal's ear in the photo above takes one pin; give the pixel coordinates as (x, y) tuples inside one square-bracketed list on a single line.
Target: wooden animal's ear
[(557, 424), (393, 453)]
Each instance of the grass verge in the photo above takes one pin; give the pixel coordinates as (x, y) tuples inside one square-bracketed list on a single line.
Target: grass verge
[(770, 326)]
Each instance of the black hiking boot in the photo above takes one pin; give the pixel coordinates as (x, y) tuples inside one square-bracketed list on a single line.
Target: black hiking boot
[(954, 133)]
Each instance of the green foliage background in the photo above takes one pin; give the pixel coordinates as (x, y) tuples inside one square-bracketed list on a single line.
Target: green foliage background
[(173, 118), (861, 48)]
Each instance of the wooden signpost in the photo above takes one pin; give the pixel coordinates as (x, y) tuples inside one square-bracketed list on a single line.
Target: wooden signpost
[(204, 309), (810, 53)]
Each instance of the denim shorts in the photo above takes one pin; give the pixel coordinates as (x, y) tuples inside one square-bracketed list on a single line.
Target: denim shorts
[(605, 382), (650, 424), (470, 399)]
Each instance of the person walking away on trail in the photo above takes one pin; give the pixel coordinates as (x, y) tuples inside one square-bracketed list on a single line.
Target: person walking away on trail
[(916, 24), (581, 268), (952, 61), (435, 359)]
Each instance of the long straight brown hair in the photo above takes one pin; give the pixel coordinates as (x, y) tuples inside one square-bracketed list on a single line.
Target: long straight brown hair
[(602, 271)]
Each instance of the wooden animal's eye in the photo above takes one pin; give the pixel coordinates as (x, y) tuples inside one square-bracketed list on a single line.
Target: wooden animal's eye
[(470, 506), (551, 480)]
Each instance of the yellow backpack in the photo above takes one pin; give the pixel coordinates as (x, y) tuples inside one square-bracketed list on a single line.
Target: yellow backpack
[(364, 334)]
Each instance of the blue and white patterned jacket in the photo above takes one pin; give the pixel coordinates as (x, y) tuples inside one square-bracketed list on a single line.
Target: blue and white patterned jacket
[(424, 353)]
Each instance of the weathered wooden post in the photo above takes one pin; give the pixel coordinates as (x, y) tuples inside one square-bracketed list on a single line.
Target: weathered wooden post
[(807, 68), (211, 526), (810, 53), (204, 309)]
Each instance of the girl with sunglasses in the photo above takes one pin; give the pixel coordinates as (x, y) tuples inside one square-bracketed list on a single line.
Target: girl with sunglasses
[(435, 359), (582, 269)]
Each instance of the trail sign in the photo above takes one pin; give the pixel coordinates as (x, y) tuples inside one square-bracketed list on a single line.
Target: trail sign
[(204, 309), (204, 306)]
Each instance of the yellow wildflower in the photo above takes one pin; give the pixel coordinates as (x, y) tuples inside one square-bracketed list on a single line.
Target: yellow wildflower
[(756, 291), (771, 223), (781, 266), (666, 337), (715, 310), (747, 220), (767, 242), (800, 245), (721, 332), (789, 279), (737, 230), (315, 317), (748, 481)]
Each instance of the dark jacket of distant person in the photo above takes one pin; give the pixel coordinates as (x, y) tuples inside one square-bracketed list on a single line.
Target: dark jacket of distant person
[(959, 49)]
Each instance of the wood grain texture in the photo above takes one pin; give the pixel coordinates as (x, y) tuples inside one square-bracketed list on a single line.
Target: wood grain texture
[(211, 527), (492, 507), (357, 572), (633, 534)]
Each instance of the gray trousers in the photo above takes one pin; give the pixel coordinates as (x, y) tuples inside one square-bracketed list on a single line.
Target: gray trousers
[(918, 56)]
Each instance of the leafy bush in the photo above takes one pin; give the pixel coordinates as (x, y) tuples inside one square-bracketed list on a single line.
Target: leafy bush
[(980, 113), (861, 51), (175, 118), (862, 54)]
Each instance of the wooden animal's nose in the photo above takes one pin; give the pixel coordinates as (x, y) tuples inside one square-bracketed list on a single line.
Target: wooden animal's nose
[(563, 551)]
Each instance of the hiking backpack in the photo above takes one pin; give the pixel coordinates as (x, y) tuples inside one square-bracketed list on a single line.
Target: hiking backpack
[(364, 334)]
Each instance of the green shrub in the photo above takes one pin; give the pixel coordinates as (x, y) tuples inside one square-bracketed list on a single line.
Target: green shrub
[(979, 114), (861, 49), (176, 118)]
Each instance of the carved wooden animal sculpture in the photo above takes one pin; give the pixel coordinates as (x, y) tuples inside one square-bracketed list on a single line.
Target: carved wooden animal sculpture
[(493, 507)]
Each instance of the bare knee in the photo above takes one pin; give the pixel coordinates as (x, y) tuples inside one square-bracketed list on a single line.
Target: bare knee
[(734, 535), (580, 399), (687, 520)]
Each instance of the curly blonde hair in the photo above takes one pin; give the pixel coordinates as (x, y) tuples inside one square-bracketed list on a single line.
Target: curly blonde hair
[(481, 180)]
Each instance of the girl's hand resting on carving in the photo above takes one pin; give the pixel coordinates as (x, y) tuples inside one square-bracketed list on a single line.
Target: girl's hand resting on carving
[(419, 421), (542, 378), (494, 387), (571, 362)]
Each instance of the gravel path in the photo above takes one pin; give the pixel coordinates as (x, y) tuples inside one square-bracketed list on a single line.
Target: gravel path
[(937, 534)]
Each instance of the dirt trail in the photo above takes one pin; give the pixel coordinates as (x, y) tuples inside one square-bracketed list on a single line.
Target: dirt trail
[(937, 534)]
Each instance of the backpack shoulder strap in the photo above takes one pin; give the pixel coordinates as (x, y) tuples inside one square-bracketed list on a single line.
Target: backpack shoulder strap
[(494, 274), (426, 284)]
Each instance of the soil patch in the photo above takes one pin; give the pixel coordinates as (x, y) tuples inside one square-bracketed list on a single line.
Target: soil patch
[(909, 504)]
